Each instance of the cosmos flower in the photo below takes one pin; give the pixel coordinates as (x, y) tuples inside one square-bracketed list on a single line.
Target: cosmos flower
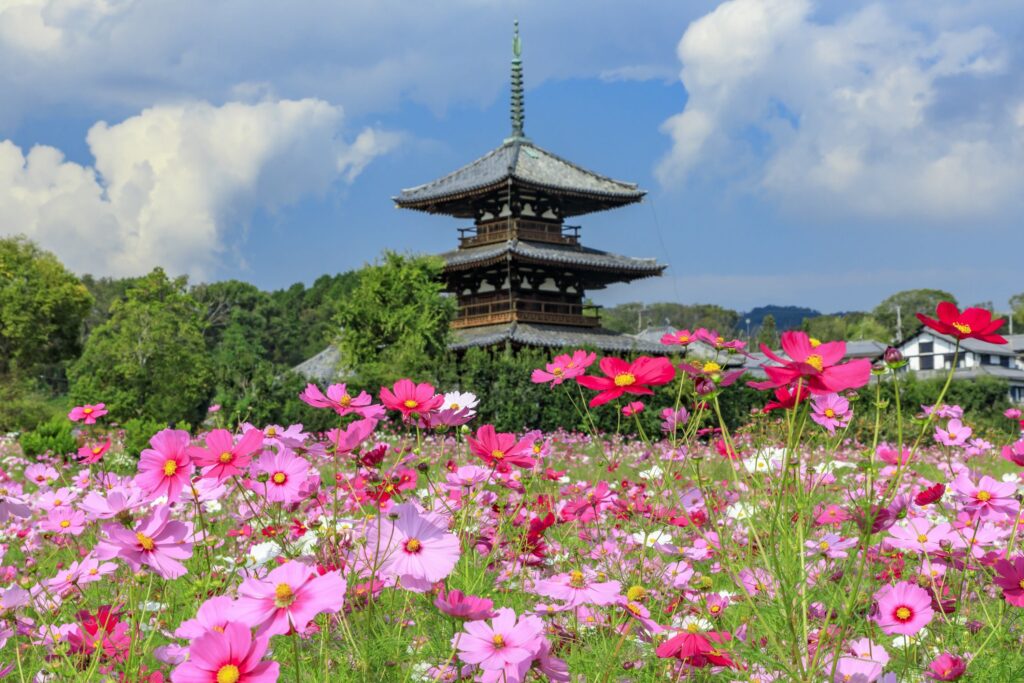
[(564, 367), (415, 546), (410, 398), (64, 520), (627, 378), (166, 468), (87, 414), (223, 458), (502, 644), (457, 604), (229, 655), (576, 588), (157, 542), (289, 597), (972, 323), (1010, 577), (90, 455), (285, 474), (498, 449), (813, 364), (956, 433), (946, 667), (831, 411), (903, 609), (340, 401)]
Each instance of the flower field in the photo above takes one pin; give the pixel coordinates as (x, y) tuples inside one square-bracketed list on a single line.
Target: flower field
[(412, 544)]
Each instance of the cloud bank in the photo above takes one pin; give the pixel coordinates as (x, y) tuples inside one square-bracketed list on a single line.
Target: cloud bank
[(872, 114), (175, 184)]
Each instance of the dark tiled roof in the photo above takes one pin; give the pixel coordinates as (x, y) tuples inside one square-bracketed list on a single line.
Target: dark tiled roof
[(553, 336), (974, 345), (519, 160), (323, 367), (550, 253)]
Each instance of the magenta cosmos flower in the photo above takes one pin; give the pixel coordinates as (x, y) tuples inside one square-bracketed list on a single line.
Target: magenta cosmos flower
[(166, 468), (289, 597), (213, 615), (340, 401), (408, 397), (89, 455), (285, 473), (416, 546), (1010, 577), (157, 541), (223, 458), (903, 608), (988, 499), (457, 604), (230, 655), (501, 449), (946, 667), (87, 414), (678, 338), (814, 364), (503, 643), (564, 367), (627, 378)]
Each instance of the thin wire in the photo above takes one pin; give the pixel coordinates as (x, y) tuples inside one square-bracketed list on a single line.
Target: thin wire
[(664, 249)]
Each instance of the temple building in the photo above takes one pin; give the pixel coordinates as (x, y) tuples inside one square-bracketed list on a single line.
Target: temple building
[(520, 273)]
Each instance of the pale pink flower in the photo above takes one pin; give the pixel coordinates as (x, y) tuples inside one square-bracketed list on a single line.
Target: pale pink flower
[(501, 645), (416, 546), (831, 411), (157, 541), (903, 609), (956, 433), (289, 597), (988, 499), (64, 520), (576, 588)]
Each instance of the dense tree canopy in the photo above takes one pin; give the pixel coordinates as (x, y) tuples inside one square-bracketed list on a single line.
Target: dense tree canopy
[(149, 359), (42, 307), (634, 317), (908, 302)]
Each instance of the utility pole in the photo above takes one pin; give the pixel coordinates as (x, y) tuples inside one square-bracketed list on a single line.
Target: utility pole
[(899, 325)]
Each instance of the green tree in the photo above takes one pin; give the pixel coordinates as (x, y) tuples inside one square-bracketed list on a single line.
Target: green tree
[(767, 334), (395, 322), (42, 306), (908, 302), (634, 317), (149, 359), (845, 327)]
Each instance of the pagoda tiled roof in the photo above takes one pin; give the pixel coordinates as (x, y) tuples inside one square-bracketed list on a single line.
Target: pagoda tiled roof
[(537, 252), (553, 337), (520, 161)]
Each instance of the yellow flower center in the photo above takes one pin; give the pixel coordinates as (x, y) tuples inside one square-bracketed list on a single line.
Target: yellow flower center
[(1021, 584), (557, 372), (271, 432), (409, 403), (454, 406), (536, 448), (413, 545), (903, 613), (692, 627), (921, 538), (634, 608), (145, 541), (498, 640), (815, 343), (636, 593), (96, 450), (715, 609), (962, 328), (829, 412), (497, 454), (815, 361), (279, 477), (712, 367), (984, 496), (824, 545), (57, 502), (170, 467), (283, 595), (87, 411), (226, 457), (345, 400), (624, 379), (228, 674), (64, 524), (576, 579)]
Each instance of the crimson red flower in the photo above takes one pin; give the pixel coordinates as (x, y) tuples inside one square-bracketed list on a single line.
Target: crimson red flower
[(697, 649), (627, 378), (786, 399), (1010, 577), (930, 494), (814, 364), (972, 323)]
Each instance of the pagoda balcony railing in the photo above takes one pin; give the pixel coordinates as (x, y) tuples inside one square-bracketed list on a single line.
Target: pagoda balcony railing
[(503, 231), (527, 311)]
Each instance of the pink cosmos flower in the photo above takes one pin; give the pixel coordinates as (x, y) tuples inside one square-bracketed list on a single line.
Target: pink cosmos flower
[(343, 441), (285, 475), (673, 419), (166, 468), (501, 449), (1012, 413), (89, 570), (815, 364), (1010, 577), (832, 546), (920, 536), (865, 649), (988, 499), (40, 474), (457, 604), (831, 411), (157, 542), (946, 667), (1014, 453), (289, 597), (88, 414), (678, 338), (891, 454), (416, 547), (903, 608), (502, 644), (956, 433), (407, 397), (56, 498), (857, 670), (223, 458), (575, 588), (64, 520), (213, 615), (633, 408), (228, 656), (564, 367), (340, 401), (116, 501), (93, 454), (622, 377)]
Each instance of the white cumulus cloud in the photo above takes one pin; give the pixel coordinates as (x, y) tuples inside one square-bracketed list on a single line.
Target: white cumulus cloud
[(868, 114), (175, 185)]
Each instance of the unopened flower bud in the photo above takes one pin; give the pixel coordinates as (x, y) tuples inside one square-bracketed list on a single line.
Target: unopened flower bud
[(263, 477), (892, 355)]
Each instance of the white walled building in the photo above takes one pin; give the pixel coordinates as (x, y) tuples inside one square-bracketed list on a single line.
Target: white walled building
[(930, 354)]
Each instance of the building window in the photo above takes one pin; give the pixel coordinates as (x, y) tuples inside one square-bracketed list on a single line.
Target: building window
[(949, 361), (927, 362), (926, 347)]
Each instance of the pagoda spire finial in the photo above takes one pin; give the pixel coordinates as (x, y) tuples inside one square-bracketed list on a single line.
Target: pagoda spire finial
[(518, 114)]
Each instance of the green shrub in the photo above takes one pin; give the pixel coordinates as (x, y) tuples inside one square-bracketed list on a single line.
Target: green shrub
[(23, 405), (54, 436), (138, 432)]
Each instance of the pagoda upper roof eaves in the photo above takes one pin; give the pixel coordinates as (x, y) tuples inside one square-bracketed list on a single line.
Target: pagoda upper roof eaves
[(580, 258), (521, 163)]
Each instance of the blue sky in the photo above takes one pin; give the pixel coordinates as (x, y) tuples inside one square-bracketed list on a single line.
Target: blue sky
[(819, 154)]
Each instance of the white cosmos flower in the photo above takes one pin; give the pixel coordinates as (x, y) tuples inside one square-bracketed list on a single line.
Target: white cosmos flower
[(262, 553), (460, 400), (650, 538), (653, 473)]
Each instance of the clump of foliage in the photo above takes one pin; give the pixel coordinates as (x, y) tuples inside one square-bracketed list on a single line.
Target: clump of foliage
[(53, 436)]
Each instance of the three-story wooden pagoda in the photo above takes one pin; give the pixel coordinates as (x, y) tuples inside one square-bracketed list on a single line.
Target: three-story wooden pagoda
[(520, 274)]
